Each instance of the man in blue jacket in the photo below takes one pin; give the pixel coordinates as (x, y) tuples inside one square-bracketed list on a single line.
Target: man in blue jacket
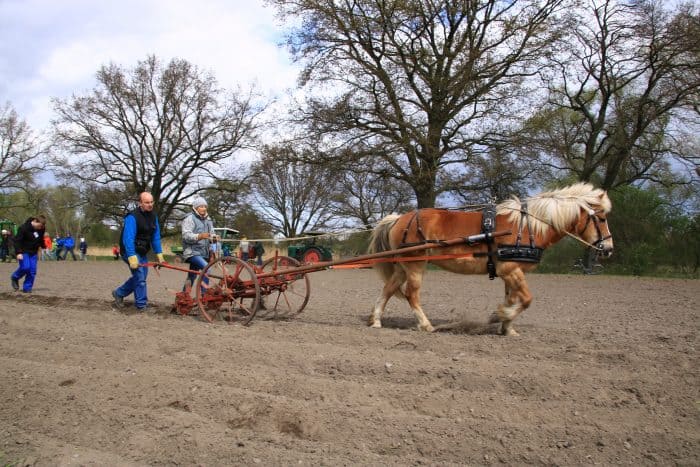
[(140, 233), (68, 247)]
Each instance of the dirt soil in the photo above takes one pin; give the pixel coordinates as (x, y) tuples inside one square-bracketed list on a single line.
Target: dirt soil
[(605, 371)]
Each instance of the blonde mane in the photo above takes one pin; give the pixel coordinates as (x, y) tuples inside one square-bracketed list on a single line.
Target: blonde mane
[(556, 209)]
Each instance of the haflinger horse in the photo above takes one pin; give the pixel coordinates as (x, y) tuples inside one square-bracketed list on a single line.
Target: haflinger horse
[(542, 220)]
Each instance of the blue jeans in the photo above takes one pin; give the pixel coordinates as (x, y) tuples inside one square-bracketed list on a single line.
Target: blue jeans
[(197, 263), (26, 269), (136, 284)]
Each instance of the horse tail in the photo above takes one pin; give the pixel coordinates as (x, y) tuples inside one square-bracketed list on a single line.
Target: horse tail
[(379, 242)]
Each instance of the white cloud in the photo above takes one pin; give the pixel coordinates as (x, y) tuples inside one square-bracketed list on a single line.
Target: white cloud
[(53, 49)]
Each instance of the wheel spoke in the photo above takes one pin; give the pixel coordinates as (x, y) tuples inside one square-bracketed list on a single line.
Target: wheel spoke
[(290, 292), (233, 284)]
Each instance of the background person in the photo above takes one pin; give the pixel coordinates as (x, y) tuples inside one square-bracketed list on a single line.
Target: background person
[(69, 247), (215, 248), (259, 252), (82, 247), (28, 241), (251, 252), (47, 247), (5, 245), (58, 246), (245, 244), (140, 233), (197, 238)]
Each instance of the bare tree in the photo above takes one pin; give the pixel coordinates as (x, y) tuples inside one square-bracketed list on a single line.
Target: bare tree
[(494, 177), (227, 198), (293, 197), (250, 223), (62, 207), (166, 129), (420, 79), (630, 69), (105, 203), (367, 196), (21, 152)]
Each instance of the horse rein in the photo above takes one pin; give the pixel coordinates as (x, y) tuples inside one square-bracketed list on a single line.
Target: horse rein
[(524, 212)]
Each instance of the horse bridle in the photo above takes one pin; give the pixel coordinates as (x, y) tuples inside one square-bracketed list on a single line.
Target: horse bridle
[(597, 220)]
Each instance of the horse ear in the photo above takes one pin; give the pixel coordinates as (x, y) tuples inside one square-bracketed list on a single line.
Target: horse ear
[(605, 203)]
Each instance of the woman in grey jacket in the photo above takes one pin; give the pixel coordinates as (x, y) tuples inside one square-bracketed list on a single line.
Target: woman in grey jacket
[(197, 237)]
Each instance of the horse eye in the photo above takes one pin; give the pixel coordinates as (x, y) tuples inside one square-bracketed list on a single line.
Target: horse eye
[(602, 220)]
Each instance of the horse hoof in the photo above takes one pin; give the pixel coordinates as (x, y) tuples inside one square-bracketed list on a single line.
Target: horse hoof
[(375, 324), (510, 332)]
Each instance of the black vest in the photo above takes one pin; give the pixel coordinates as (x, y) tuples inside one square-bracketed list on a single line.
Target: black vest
[(145, 227)]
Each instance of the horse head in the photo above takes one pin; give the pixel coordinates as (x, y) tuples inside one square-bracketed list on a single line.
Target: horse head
[(596, 230)]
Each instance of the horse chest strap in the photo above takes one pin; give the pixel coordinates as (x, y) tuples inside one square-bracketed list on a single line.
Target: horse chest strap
[(518, 253)]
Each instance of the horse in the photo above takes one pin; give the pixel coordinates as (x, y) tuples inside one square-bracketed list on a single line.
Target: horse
[(578, 210)]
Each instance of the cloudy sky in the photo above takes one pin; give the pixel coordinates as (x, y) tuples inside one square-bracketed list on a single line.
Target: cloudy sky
[(53, 48)]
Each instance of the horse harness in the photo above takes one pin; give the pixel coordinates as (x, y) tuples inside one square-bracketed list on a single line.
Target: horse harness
[(517, 252)]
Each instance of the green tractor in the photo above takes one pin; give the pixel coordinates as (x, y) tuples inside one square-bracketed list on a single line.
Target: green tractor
[(8, 225), (225, 235), (310, 250)]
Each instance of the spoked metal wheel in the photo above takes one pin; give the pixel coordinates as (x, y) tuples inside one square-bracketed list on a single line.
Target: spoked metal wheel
[(284, 295), (228, 290)]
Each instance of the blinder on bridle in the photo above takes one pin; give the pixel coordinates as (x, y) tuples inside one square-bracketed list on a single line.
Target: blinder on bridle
[(597, 220)]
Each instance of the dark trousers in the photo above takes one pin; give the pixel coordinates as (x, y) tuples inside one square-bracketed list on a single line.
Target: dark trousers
[(72, 253)]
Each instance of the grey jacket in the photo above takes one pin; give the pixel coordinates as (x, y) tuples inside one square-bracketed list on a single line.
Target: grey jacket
[(193, 225)]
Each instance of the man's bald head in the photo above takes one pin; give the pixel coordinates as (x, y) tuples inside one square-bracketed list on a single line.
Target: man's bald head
[(146, 201)]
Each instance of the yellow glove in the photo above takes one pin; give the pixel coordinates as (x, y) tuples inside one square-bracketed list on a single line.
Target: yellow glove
[(133, 262), (160, 257)]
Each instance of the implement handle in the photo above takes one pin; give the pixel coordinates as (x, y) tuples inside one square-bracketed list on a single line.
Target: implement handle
[(470, 240), (485, 236), (168, 266)]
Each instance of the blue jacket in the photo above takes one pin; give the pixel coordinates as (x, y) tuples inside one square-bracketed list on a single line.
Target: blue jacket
[(129, 237), (68, 242)]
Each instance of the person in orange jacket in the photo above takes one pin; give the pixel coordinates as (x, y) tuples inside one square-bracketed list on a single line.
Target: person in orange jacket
[(47, 247)]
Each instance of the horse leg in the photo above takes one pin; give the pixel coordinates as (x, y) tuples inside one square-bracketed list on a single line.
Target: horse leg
[(413, 283), (518, 299), (494, 316), (391, 287)]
